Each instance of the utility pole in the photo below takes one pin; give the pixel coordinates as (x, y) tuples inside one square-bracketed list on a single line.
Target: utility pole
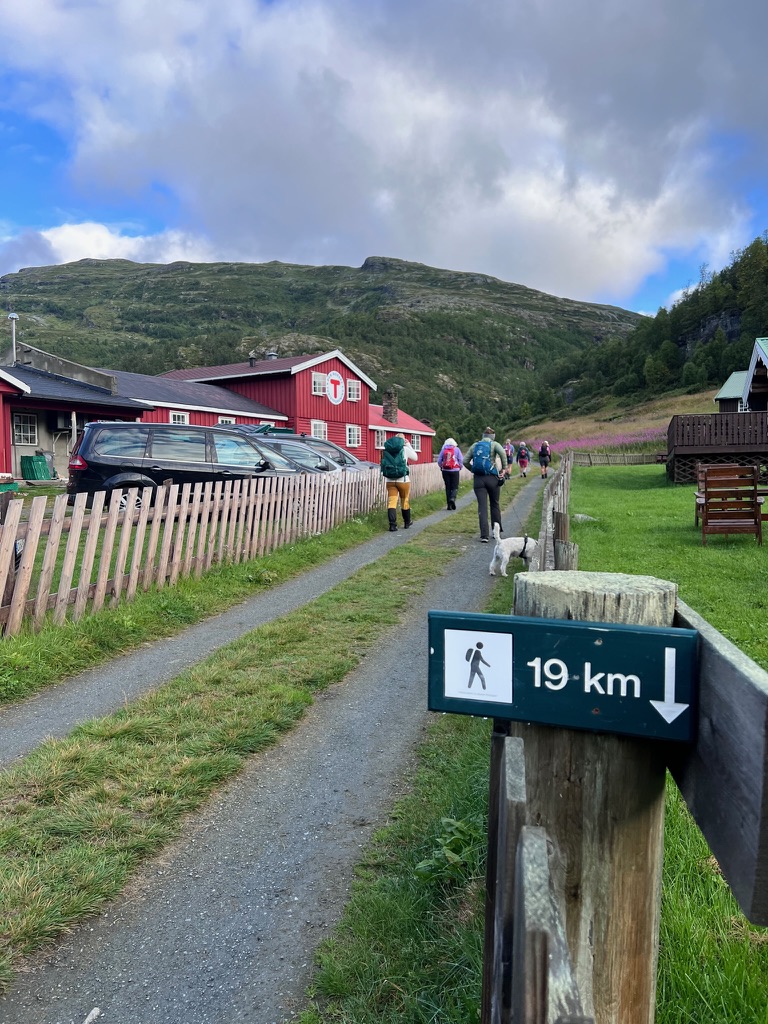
[(13, 317)]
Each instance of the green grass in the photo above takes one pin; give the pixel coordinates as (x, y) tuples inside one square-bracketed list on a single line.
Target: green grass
[(713, 963), (645, 525), (78, 815), (410, 950)]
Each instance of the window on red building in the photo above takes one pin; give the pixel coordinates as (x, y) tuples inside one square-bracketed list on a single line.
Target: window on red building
[(353, 435)]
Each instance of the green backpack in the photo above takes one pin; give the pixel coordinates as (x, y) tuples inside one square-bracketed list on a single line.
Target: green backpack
[(393, 466)]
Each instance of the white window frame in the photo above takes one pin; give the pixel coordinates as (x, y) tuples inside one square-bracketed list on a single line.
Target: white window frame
[(25, 426), (379, 437), (354, 389), (318, 383), (416, 442), (266, 423), (225, 420), (354, 435), (178, 419), (319, 429)]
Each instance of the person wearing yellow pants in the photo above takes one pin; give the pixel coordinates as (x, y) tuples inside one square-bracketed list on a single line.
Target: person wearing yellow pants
[(394, 467)]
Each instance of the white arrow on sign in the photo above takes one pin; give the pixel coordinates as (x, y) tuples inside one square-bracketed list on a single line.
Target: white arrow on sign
[(668, 708)]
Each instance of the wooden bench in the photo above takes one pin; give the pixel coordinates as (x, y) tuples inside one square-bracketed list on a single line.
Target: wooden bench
[(728, 501)]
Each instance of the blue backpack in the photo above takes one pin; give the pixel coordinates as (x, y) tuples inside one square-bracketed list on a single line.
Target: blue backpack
[(481, 459)]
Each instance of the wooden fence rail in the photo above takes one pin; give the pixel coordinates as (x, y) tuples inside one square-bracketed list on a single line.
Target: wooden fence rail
[(76, 560), (541, 886), (614, 458)]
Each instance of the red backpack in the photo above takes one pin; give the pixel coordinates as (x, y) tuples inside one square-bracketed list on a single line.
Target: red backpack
[(449, 458)]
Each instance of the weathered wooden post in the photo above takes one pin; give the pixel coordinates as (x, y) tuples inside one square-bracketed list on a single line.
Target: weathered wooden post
[(601, 799)]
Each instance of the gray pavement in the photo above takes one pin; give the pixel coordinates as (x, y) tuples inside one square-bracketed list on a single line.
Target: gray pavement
[(222, 927)]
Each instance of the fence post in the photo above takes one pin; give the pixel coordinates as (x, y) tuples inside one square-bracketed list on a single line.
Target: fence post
[(501, 729), (601, 799)]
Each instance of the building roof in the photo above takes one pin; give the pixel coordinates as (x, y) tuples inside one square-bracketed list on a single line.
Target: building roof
[(8, 377), (734, 386), (39, 385), (405, 423), (264, 368), (184, 394)]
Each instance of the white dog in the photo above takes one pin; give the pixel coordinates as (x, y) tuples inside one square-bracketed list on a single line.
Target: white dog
[(511, 547)]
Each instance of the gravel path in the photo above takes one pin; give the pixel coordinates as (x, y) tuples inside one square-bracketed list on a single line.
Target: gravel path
[(222, 926)]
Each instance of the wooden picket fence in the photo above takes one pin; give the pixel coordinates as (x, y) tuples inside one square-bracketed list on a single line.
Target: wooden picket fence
[(617, 458), (60, 562)]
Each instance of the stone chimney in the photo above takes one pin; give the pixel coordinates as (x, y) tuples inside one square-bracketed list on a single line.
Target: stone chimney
[(251, 358), (389, 405)]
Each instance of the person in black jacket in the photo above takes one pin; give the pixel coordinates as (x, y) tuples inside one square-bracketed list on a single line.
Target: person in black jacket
[(545, 457), (484, 458)]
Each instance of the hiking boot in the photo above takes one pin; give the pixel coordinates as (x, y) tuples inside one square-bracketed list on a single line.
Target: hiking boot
[(392, 517), (484, 540), (406, 518)]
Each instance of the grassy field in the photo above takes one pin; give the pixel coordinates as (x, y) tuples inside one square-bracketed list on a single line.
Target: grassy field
[(608, 428)]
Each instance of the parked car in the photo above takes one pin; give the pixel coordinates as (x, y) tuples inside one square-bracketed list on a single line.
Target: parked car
[(328, 449), (305, 455), (114, 455)]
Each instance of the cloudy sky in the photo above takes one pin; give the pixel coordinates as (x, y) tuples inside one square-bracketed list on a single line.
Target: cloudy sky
[(597, 149)]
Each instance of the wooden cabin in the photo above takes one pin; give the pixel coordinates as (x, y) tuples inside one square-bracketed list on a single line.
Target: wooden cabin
[(737, 434)]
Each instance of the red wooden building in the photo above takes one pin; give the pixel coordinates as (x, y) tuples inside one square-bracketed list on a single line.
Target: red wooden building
[(323, 395), (45, 400)]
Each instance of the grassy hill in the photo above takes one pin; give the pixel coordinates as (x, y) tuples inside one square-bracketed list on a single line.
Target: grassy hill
[(616, 427), (464, 348)]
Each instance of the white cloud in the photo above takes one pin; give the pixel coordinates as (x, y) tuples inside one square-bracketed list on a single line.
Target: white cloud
[(72, 242), (571, 148)]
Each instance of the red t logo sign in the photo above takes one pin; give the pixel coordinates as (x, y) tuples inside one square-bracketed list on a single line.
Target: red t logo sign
[(335, 384)]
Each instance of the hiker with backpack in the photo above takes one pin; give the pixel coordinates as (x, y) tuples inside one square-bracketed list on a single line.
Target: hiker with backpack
[(451, 462), (523, 458), (394, 468), (509, 448), (545, 457), (486, 481)]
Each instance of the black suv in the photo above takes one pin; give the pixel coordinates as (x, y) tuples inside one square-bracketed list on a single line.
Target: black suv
[(108, 456)]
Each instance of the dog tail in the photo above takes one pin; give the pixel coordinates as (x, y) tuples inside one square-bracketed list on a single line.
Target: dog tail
[(496, 532)]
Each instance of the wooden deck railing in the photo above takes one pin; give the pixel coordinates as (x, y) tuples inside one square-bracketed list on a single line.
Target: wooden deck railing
[(59, 561), (718, 432)]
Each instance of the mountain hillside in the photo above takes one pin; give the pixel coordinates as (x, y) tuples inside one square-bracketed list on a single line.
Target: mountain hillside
[(464, 348)]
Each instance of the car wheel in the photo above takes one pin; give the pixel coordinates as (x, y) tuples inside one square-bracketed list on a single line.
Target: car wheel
[(124, 502)]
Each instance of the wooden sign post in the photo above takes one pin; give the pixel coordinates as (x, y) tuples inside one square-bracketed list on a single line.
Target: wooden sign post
[(601, 799)]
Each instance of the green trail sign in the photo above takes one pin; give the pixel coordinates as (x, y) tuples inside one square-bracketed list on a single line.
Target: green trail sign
[(602, 677)]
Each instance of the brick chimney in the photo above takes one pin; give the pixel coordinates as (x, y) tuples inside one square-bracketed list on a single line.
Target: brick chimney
[(389, 405)]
